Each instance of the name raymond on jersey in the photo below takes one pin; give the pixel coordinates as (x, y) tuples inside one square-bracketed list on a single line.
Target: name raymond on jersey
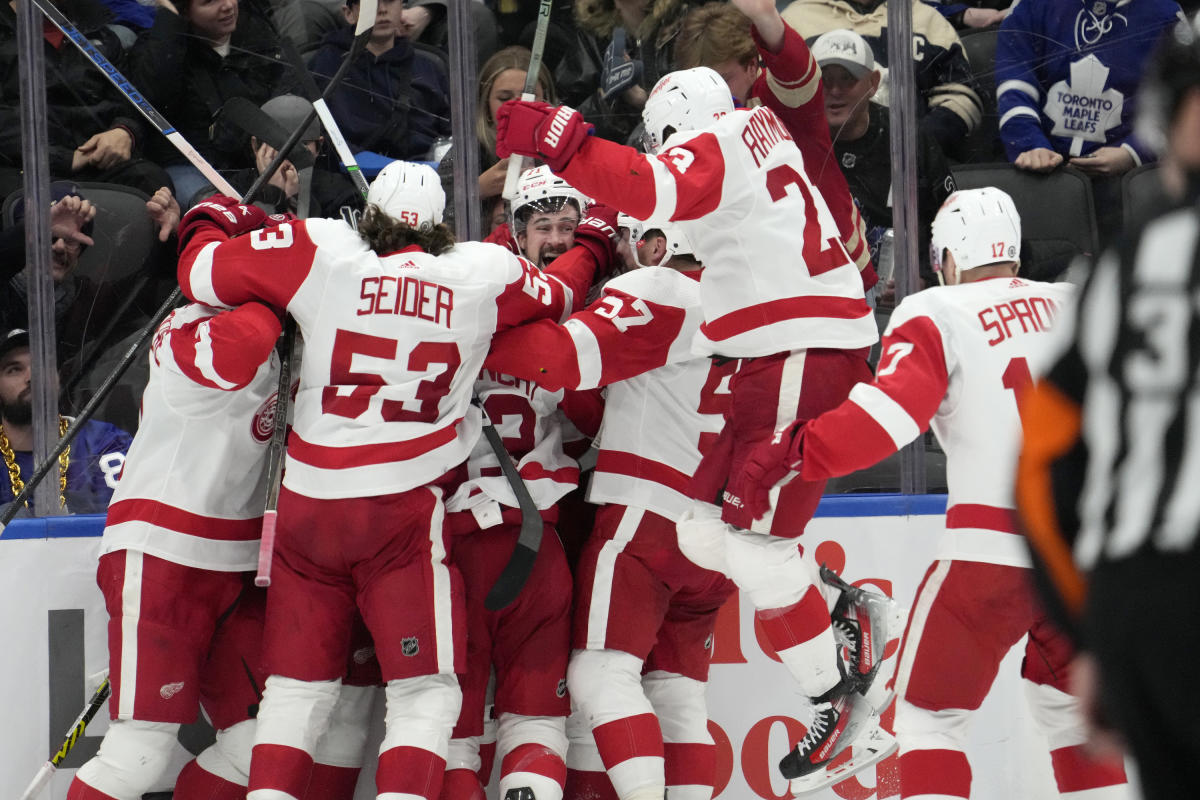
[(762, 132), (1033, 314), (406, 296)]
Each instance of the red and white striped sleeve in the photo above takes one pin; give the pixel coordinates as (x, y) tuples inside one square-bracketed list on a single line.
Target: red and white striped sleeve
[(880, 417), (683, 182), (267, 264), (223, 351), (617, 337)]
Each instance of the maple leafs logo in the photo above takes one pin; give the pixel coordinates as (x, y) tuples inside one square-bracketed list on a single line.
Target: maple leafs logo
[(1082, 109)]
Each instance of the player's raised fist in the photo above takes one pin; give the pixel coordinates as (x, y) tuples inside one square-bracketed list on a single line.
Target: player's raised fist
[(540, 130)]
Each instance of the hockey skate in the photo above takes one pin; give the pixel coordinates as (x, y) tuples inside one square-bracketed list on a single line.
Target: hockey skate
[(863, 623), (846, 722)]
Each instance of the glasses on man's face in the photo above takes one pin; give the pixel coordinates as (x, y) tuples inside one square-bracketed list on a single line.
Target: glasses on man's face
[(70, 245)]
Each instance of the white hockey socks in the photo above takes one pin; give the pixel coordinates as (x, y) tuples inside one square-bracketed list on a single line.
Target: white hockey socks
[(421, 713), (133, 757)]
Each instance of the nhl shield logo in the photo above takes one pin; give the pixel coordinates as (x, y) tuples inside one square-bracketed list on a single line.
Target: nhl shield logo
[(409, 646)]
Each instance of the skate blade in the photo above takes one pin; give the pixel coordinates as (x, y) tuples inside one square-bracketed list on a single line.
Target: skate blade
[(872, 746)]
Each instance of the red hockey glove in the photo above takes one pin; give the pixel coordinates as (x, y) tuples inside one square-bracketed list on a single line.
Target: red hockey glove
[(540, 130), (222, 212), (598, 233), (767, 464), (503, 236)]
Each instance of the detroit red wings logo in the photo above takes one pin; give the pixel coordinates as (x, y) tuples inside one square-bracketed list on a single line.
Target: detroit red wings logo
[(263, 423)]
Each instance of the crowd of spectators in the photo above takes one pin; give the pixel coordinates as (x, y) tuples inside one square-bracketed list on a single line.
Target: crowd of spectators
[(1066, 76)]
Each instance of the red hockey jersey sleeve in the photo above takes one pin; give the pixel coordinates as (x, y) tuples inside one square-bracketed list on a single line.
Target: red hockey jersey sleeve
[(880, 417), (682, 183), (223, 351), (268, 264), (635, 326)]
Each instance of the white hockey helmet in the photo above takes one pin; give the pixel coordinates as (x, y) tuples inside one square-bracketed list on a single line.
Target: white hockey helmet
[(978, 227), (684, 100), (677, 241), (539, 189), (409, 192)]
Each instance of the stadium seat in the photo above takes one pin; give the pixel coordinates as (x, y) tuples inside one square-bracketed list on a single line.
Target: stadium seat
[(983, 144), (1058, 217), (1142, 193)]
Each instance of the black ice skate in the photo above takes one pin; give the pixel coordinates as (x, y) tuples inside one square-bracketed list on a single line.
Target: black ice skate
[(863, 622), (844, 721)]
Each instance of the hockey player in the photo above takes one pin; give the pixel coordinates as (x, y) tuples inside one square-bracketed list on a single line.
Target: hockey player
[(182, 533), (957, 358), (396, 320), (780, 293), (527, 643), (734, 42), (644, 614)]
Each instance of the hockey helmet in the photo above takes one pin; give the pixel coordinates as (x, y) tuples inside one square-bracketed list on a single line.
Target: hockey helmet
[(677, 241), (540, 190), (684, 100), (409, 192), (978, 227)]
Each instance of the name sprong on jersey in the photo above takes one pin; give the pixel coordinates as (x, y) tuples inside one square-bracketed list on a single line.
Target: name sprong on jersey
[(1034, 315)]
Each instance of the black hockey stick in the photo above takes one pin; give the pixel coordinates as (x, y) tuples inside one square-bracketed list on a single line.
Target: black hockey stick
[(77, 728), (515, 162), (525, 551)]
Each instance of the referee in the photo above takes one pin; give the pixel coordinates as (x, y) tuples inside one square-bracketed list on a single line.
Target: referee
[(1108, 486)]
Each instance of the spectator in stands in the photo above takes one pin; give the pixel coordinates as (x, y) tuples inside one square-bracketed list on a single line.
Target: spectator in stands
[(948, 98), (195, 57), (965, 16), (75, 296), (622, 48), (1067, 76), (93, 133), (501, 78), (330, 190), (862, 142), (395, 99), (87, 472)]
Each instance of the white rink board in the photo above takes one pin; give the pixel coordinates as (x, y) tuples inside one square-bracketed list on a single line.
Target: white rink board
[(748, 694)]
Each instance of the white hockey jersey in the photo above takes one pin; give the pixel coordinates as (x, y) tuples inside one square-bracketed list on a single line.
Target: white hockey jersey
[(194, 484), (530, 424), (955, 358), (393, 343), (777, 275), (664, 405)]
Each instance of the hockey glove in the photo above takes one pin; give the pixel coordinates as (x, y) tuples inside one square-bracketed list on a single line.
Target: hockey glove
[(768, 463), (619, 72), (221, 212), (540, 130), (598, 233)]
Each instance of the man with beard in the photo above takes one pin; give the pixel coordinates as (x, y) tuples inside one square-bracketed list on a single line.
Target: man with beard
[(87, 472), (545, 214)]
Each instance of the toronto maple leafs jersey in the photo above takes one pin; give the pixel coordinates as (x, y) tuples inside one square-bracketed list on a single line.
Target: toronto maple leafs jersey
[(1067, 72), (954, 358)]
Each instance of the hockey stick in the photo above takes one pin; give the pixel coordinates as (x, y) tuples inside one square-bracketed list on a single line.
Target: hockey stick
[(283, 395), (77, 728), (512, 579), (134, 96), (362, 32), (515, 163)]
